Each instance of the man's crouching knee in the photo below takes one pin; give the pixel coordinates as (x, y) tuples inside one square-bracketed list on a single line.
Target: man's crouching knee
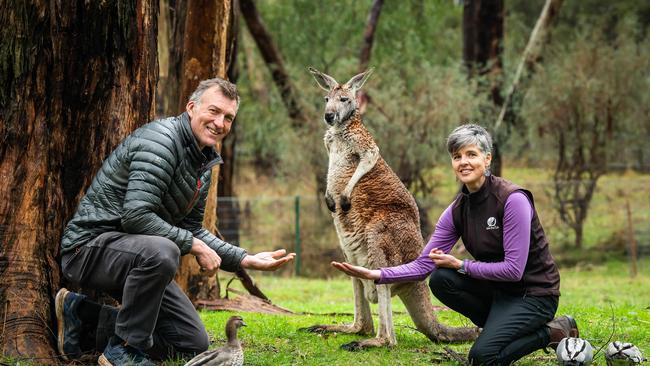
[(164, 256), (197, 344)]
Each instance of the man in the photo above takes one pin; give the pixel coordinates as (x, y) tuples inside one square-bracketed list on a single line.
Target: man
[(144, 210)]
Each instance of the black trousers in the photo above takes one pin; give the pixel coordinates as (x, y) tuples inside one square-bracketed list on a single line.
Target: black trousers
[(138, 270), (513, 326)]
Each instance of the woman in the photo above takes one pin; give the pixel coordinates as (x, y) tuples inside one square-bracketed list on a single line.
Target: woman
[(512, 287)]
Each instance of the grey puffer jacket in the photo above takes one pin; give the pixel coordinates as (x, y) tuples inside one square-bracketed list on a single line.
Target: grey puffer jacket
[(154, 183)]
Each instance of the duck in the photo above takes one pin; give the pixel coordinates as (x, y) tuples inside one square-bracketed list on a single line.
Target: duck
[(229, 355)]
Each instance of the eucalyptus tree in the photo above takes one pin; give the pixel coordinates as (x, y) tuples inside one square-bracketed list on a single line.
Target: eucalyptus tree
[(77, 77)]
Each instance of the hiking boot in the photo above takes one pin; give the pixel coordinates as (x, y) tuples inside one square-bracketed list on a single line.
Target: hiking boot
[(68, 323), (560, 328), (121, 354)]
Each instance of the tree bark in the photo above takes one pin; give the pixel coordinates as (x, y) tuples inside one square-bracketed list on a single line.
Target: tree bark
[(483, 54), (167, 78), (76, 78), (209, 36), (175, 13), (273, 59)]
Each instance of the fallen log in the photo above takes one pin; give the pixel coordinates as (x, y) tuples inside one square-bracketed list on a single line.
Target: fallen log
[(243, 302)]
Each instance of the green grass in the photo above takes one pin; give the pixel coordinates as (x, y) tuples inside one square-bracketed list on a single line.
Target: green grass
[(599, 297)]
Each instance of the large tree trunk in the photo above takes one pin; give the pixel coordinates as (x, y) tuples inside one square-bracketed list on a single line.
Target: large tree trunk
[(76, 78), (207, 52), (482, 54)]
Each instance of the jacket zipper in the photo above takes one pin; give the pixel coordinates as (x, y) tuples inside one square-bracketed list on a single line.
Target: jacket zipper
[(196, 195), (205, 166), (198, 189)]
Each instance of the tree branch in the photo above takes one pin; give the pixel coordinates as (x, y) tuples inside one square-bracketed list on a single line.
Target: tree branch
[(273, 60)]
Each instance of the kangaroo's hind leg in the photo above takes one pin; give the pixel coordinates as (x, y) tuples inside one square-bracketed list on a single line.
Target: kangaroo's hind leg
[(379, 236), (386, 334), (362, 316), (417, 300)]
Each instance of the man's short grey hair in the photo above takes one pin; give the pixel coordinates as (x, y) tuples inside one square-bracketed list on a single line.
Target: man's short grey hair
[(469, 134), (228, 89)]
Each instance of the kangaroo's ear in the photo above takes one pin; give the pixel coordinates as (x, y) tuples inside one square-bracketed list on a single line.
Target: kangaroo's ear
[(357, 81), (324, 81)]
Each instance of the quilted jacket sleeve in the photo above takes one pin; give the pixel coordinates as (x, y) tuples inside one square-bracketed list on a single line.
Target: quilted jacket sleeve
[(151, 168), (231, 256)]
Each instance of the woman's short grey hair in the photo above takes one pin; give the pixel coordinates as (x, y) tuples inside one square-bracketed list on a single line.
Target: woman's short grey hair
[(228, 89), (469, 134)]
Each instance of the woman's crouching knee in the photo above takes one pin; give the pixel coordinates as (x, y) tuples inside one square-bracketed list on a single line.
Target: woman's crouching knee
[(442, 280)]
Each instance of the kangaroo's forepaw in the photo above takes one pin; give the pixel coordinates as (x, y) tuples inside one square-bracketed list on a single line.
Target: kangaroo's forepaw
[(329, 201), (352, 346), (345, 203)]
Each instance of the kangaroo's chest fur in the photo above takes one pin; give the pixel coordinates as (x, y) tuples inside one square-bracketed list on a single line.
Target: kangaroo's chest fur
[(342, 164), (343, 161)]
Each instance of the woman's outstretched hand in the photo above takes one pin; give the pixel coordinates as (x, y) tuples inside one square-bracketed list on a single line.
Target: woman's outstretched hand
[(357, 271)]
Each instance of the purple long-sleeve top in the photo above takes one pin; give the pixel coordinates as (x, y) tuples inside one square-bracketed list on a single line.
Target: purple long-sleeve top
[(517, 216)]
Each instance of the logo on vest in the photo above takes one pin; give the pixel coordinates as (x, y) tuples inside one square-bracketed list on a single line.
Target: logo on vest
[(491, 224)]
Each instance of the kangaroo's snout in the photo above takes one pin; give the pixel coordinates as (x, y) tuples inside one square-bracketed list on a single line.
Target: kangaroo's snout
[(329, 118)]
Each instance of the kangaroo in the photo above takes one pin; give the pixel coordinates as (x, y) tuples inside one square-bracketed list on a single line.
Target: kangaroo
[(376, 220)]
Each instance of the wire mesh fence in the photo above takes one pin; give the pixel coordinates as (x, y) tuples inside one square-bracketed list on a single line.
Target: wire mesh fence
[(617, 218)]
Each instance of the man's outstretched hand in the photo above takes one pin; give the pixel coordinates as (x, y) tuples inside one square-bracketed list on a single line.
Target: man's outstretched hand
[(357, 271), (267, 261)]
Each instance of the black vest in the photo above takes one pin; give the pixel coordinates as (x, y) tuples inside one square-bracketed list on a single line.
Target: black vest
[(478, 218)]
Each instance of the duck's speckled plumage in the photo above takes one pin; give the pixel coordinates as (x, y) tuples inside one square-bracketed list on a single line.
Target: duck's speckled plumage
[(231, 354)]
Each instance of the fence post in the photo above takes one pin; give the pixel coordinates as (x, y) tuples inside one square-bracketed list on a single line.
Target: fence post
[(632, 240), (297, 248)]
